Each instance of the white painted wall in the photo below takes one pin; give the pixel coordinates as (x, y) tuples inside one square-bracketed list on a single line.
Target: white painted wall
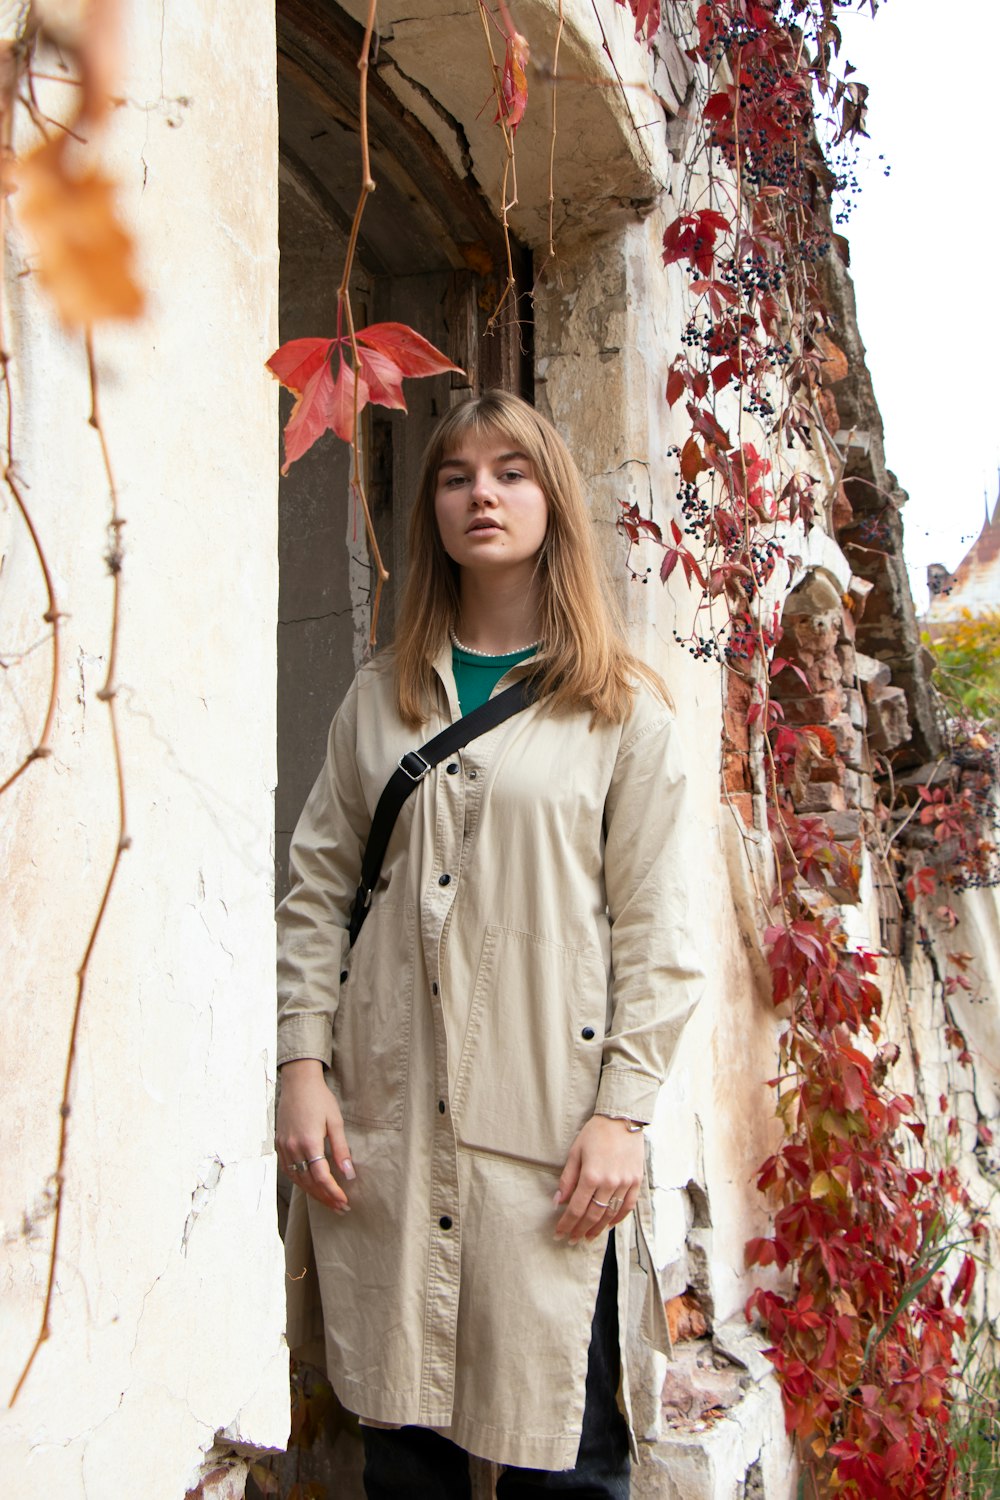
[(167, 1327)]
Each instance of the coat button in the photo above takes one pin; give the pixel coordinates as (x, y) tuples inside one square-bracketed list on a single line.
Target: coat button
[(451, 767), (473, 775), (445, 1221), (343, 976), (587, 1033), (444, 879), (441, 1106)]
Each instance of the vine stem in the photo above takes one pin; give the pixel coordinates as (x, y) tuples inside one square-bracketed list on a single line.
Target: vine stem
[(552, 138), (107, 694), (52, 615), (344, 305), (508, 201), (622, 88)]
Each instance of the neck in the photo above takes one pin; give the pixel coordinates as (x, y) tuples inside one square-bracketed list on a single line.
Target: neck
[(498, 616)]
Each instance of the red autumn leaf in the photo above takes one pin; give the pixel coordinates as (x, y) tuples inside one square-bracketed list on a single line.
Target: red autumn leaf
[(311, 415), (513, 82), (723, 373), (675, 386), (383, 378), (692, 237), (961, 1287), (759, 1252), (921, 883), (719, 295), (411, 354), (342, 401), (703, 421), (675, 555), (718, 108), (387, 352), (692, 461), (647, 17), (699, 384), (296, 362), (781, 662)]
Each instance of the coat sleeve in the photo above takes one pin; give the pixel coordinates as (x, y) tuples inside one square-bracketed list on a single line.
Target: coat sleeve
[(325, 864), (656, 976)]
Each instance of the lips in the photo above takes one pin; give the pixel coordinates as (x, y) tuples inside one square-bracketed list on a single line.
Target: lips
[(483, 525)]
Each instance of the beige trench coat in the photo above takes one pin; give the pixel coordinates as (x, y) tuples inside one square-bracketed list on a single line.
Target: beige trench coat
[(525, 962)]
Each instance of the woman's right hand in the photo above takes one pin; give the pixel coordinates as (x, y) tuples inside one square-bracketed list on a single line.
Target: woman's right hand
[(308, 1117)]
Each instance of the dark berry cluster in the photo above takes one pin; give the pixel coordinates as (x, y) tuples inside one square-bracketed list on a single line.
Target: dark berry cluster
[(755, 276), (695, 337), (701, 647)]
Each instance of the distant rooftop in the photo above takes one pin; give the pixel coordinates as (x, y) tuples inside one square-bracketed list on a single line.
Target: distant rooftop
[(975, 583)]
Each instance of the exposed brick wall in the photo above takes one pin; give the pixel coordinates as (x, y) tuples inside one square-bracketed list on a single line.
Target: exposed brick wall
[(736, 778)]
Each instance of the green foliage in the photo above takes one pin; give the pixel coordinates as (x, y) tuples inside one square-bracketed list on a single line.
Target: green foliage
[(975, 1429), (967, 665)]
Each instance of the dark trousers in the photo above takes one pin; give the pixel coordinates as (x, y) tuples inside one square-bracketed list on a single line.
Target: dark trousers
[(412, 1463)]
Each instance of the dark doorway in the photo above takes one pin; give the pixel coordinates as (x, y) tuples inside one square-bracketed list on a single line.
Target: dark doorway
[(431, 254)]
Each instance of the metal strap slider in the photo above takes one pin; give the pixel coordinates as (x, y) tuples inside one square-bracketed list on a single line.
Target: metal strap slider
[(414, 765)]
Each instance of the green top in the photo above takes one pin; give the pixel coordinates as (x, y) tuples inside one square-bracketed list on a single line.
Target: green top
[(477, 676)]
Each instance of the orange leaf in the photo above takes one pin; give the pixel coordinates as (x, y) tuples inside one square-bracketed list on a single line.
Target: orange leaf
[(411, 354), (296, 362), (84, 254)]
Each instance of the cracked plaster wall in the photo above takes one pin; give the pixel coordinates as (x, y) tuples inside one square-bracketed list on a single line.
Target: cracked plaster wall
[(613, 144), (167, 1340)]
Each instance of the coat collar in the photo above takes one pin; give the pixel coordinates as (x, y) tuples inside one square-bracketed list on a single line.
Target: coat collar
[(446, 676)]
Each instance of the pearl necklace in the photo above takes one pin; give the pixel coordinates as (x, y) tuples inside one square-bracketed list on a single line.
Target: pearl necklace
[(471, 650)]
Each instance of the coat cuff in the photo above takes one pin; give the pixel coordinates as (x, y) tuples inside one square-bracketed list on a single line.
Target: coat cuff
[(305, 1036), (626, 1094)]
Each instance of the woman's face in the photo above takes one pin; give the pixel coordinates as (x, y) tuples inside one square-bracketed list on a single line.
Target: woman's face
[(490, 510)]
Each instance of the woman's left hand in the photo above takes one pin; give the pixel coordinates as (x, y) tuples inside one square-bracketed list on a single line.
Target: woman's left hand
[(601, 1179)]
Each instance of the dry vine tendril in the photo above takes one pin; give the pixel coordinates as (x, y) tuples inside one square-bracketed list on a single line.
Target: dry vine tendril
[(84, 262)]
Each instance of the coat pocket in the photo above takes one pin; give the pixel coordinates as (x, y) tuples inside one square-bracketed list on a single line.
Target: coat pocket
[(371, 1030), (531, 1061)]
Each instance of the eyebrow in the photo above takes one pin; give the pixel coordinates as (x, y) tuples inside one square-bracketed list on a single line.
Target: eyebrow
[(462, 463)]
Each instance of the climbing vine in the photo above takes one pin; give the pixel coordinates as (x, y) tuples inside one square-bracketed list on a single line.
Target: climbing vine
[(865, 1341)]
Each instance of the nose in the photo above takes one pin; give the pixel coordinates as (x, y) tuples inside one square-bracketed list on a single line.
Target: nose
[(482, 492)]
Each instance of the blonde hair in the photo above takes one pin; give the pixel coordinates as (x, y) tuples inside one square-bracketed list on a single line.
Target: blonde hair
[(585, 661)]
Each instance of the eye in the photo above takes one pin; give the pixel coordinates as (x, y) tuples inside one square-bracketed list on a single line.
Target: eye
[(512, 475)]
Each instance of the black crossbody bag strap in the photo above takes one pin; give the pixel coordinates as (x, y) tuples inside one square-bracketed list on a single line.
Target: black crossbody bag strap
[(411, 770)]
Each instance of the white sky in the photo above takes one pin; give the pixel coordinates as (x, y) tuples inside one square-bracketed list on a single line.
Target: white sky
[(924, 258)]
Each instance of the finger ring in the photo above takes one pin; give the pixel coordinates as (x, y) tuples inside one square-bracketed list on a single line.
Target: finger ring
[(614, 1204), (299, 1166), (600, 1204), (315, 1158)]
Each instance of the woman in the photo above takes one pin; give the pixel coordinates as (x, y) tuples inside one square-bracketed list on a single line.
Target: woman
[(463, 1092)]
